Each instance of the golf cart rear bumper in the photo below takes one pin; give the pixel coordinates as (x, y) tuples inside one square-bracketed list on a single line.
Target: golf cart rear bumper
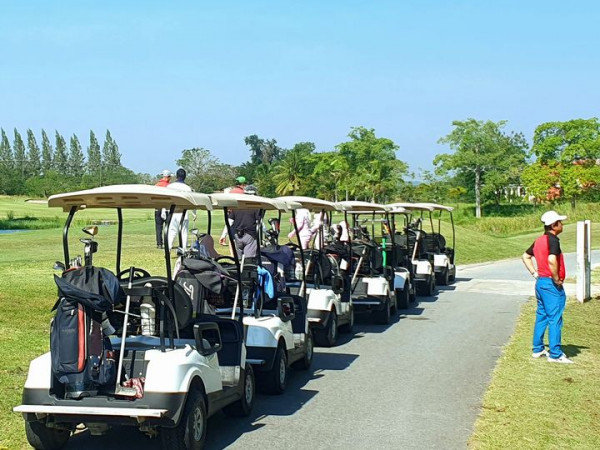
[(158, 409), (318, 318), (368, 303)]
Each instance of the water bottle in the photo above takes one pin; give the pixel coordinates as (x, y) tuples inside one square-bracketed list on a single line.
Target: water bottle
[(148, 313)]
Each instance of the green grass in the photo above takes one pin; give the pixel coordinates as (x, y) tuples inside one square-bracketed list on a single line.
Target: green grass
[(532, 404), (27, 290)]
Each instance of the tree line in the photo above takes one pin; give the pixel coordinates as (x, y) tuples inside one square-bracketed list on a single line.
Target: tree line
[(485, 164), (54, 167), (563, 163), (365, 167)]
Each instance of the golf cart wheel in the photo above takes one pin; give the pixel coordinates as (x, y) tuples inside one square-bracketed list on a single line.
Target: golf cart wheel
[(41, 437), (413, 293), (443, 277), (327, 337), (190, 433), (452, 276), (306, 361), (384, 316), (403, 297), (275, 380), (348, 326), (243, 407), (427, 289)]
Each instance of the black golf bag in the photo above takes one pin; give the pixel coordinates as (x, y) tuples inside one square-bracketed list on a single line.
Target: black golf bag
[(207, 283), (82, 358)]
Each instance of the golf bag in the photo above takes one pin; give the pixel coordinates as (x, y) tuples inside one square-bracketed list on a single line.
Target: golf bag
[(206, 282), (81, 354)]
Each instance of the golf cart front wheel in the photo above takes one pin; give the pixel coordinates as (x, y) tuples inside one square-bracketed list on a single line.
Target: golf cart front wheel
[(348, 326), (443, 277), (403, 297), (328, 336), (41, 437), (384, 316), (274, 381), (190, 433), (243, 406), (306, 361)]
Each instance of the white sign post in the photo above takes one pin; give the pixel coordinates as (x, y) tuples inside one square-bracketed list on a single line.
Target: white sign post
[(584, 260)]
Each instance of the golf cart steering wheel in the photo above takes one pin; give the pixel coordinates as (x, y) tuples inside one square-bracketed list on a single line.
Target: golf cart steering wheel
[(138, 273)]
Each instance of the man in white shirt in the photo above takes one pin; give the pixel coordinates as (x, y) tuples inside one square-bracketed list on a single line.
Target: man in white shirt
[(176, 221)]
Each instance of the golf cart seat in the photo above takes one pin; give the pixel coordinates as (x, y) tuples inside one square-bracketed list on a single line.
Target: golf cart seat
[(434, 242), (300, 311), (232, 337)]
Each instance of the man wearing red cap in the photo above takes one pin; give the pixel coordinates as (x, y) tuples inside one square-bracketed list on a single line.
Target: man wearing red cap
[(549, 291)]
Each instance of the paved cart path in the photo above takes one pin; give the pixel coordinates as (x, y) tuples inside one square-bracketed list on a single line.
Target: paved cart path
[(416, 384)]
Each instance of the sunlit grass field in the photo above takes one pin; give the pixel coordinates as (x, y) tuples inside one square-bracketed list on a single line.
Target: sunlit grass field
[(27, 290), (533, 404)]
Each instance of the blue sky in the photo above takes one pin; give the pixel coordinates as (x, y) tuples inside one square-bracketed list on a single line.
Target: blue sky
[(165, 76)]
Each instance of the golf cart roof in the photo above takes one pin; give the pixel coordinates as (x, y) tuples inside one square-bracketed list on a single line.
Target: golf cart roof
[(314, 204), (246, 201), (356, 207), (398, 210), (438, 207), (412, 206), (131, 196)]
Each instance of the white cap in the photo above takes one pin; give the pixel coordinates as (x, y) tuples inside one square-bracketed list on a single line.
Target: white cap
[(549, 217), (166, 173)]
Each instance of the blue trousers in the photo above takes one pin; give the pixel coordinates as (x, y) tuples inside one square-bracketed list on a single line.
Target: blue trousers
[(551, 301)]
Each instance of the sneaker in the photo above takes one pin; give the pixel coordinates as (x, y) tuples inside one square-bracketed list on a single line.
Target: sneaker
[(539, 354), (561, 359)]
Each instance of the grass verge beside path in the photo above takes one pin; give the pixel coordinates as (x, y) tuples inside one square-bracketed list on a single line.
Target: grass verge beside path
[(534, 404)]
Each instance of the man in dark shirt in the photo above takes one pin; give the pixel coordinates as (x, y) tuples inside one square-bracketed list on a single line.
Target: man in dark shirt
[(549, 292), (244, 230)]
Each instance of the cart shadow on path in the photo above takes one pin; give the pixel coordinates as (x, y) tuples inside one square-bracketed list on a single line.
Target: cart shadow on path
[(224, 431), (221, 429)]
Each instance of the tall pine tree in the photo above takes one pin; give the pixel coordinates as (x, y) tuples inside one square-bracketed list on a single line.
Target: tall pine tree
[(20, 157), (94, 160), (6, 164), (47, 152), (60, 162), (35, 165), (6, 155), (110, 153), (76, 159)]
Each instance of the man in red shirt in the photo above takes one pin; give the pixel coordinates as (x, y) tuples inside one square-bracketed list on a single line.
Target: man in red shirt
[(160, 215), (549, 291)]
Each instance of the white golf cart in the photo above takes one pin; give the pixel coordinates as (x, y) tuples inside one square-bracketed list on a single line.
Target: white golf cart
[(436, 243), (329, 303), (401, 254), (424, 274), (165, 369), (372, 281), (275, 320)]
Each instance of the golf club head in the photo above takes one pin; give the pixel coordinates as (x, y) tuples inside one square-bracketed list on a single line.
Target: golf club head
[(91, 230)]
